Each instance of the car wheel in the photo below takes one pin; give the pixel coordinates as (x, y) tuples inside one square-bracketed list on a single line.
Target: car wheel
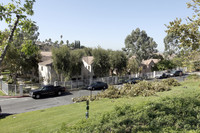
[(37, 96), (59, 93)]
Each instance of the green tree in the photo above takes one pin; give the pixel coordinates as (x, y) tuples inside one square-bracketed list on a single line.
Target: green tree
[(61, 60), (101, 64), (88, 51), (22, 57), (138, 43), (76, 62), (14, 11), (171, 45), (164, 65), (132, 66), (118, 61), (61, 42), (188, 33)]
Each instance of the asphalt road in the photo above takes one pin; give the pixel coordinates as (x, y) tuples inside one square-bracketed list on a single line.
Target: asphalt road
[(26, 104), (20, 105)]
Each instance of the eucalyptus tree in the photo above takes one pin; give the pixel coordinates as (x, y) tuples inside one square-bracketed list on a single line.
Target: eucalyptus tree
[(139, 44), (172, 45)]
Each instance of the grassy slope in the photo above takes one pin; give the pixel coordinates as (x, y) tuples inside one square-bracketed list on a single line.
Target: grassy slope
[(51, 119)]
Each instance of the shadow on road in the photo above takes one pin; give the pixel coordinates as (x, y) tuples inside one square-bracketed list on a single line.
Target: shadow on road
[(53, 96), (4, 115)]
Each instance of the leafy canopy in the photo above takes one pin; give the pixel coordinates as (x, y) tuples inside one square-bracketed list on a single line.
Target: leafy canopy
[(188, 33), (7, 12), (139, 44), (101, 64), (118, 61)]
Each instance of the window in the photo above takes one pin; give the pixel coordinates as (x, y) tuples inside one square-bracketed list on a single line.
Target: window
[(89, 68), (41, 68)]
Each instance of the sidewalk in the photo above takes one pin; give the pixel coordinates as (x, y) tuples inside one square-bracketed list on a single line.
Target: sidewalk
[(14, 96), (198, 73)]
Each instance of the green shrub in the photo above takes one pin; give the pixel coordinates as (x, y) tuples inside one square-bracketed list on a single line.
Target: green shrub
[(111, 92), (10, 81), (170, 82), (126, 89), (143, 88), (4, 78), (27, 82), (5, 73), (193, 76), (80, 99), (166, 115)]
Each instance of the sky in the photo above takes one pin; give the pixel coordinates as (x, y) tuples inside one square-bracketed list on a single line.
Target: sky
[(105, 23)]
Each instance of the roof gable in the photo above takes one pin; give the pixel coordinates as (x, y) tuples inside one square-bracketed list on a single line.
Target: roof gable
[(88, 59)]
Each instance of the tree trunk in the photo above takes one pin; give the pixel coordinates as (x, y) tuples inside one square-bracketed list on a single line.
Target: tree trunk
[(9, 40)]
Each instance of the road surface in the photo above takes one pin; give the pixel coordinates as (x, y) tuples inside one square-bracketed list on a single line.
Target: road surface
[(26, 104)]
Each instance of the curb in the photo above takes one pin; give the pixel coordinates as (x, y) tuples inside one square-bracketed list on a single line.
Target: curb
[(13, 96)]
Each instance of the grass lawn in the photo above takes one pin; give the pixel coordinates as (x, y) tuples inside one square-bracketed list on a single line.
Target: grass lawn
[(49, 120)]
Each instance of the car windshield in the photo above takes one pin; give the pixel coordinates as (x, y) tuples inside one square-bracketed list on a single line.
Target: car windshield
[(173, 71)]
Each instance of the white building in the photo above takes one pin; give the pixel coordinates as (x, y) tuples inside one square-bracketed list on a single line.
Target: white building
[(87, 68), (47, 74)]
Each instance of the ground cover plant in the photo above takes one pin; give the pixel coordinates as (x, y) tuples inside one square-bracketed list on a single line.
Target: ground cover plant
[(193, 77), (143, 88), (167, 115)]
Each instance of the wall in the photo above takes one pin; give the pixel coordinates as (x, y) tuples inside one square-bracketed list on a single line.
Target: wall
[(86, 73), (44, 74)]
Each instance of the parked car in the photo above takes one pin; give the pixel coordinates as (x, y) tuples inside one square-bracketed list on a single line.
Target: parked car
[(47, 91), (133, 80), (97, 86), (176, 73), (162, 75)]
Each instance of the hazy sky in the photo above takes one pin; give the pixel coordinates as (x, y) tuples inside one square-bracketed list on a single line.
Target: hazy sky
[(105, 23)]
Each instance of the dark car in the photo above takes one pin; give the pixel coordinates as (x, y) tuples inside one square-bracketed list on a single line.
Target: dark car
[(176, 73), (162, 75), (97, 86), (47, 91), (133, 80)]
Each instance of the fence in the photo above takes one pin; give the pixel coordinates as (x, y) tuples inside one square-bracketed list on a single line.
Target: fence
[(11, 89), (17, 90), (114, 80)]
